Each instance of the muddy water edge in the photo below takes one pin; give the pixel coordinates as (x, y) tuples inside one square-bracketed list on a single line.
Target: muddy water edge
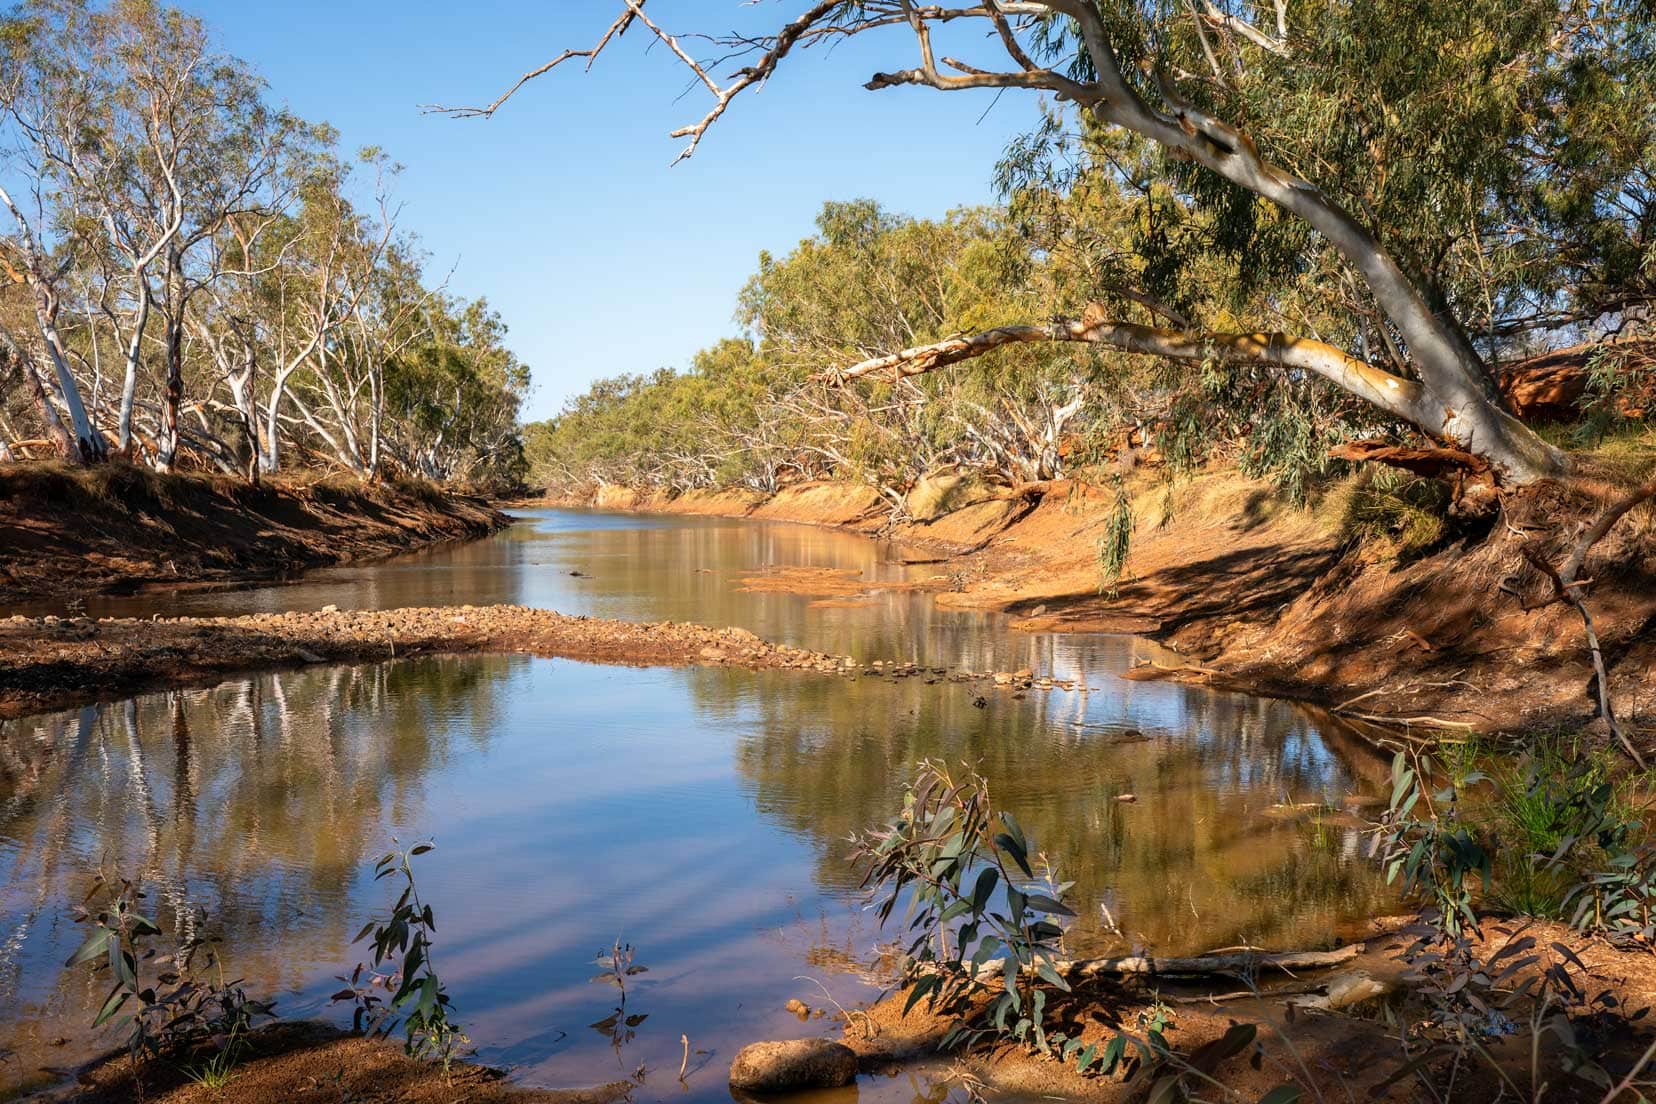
[(699, 814)]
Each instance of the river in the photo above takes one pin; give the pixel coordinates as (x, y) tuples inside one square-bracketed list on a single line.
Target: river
[(699, 814)]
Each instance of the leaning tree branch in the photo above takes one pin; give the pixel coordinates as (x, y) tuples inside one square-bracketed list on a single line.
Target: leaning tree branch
[(1455, 400), (1601, 528), (1235, 24), (775, 49), (1401, 397)]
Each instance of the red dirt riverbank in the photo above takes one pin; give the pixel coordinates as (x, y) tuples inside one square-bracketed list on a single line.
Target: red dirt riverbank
[(118, 528), (1279, 600)]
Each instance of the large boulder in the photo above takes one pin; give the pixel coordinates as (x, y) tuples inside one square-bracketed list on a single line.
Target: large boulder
[(944, 492), (792, 1065)]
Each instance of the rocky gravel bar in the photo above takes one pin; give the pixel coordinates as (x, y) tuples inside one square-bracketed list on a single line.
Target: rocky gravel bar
[(47, 662), (52, 662)]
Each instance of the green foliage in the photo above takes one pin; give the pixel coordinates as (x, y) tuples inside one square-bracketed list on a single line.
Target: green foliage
[(1619, 899), (1500, 148), (115, 943), (1427, 847), (452, 399), (231, 248), (175, 1013), (1408, 513), (1475, 997), (1555, 835), (1481, 142), (1621, 390), (409, 992), (982, 924), (984, 934), (1116, 541), (754, 411), (1556, 815)]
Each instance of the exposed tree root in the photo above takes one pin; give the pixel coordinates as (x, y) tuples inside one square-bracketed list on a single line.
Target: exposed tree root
[(1570, 589), (1432, 462)]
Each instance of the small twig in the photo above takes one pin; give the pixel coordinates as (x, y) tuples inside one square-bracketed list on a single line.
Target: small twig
[(870, 1028), (1431, 722), (685, 1063), (1349, 702), (1626, 1083)]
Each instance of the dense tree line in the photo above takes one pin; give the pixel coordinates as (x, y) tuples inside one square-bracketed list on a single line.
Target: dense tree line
[(1268, 227), (195, 277), (757, 411)]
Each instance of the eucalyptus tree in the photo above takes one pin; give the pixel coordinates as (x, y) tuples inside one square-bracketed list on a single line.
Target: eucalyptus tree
[(751, 409), (382, 310), (167, 226), (48, 100), (1425, 154), (870, 279), (228, 324), (208, 148), (137, 143), (328, 253), (451, 396)]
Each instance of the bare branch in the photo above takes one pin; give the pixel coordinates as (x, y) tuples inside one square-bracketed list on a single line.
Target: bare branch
[(1237, 25), (615, 29)]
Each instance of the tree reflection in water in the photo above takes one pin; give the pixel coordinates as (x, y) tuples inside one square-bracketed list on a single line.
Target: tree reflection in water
[(252, 804), (1204, 856), (700, 814)]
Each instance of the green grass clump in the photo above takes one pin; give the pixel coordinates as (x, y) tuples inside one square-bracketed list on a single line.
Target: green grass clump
[(1560, 811), (1408, 514)]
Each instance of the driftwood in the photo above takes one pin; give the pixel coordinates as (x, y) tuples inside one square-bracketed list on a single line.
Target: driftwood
[(1328, 994), (1230, 964), (1238, 962)]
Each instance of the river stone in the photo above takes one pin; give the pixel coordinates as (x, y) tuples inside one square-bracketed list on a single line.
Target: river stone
[(1345, 990), (791, 1065)]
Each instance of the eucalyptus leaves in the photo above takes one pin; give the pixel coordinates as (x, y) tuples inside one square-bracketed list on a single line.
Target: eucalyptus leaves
[(982, 922)]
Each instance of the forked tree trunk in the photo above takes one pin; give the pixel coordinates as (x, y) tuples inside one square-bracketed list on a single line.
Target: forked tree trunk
[(56, 431), (1456, 400), (129, 376), (1460, 403)]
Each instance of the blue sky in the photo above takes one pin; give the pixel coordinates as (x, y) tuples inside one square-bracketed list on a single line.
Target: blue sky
[(562, 209)]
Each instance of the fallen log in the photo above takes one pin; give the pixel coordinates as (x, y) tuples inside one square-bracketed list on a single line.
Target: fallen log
[(1201, 965)]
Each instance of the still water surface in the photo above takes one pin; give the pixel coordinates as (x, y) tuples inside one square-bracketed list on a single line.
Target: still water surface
[(699, 814)]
